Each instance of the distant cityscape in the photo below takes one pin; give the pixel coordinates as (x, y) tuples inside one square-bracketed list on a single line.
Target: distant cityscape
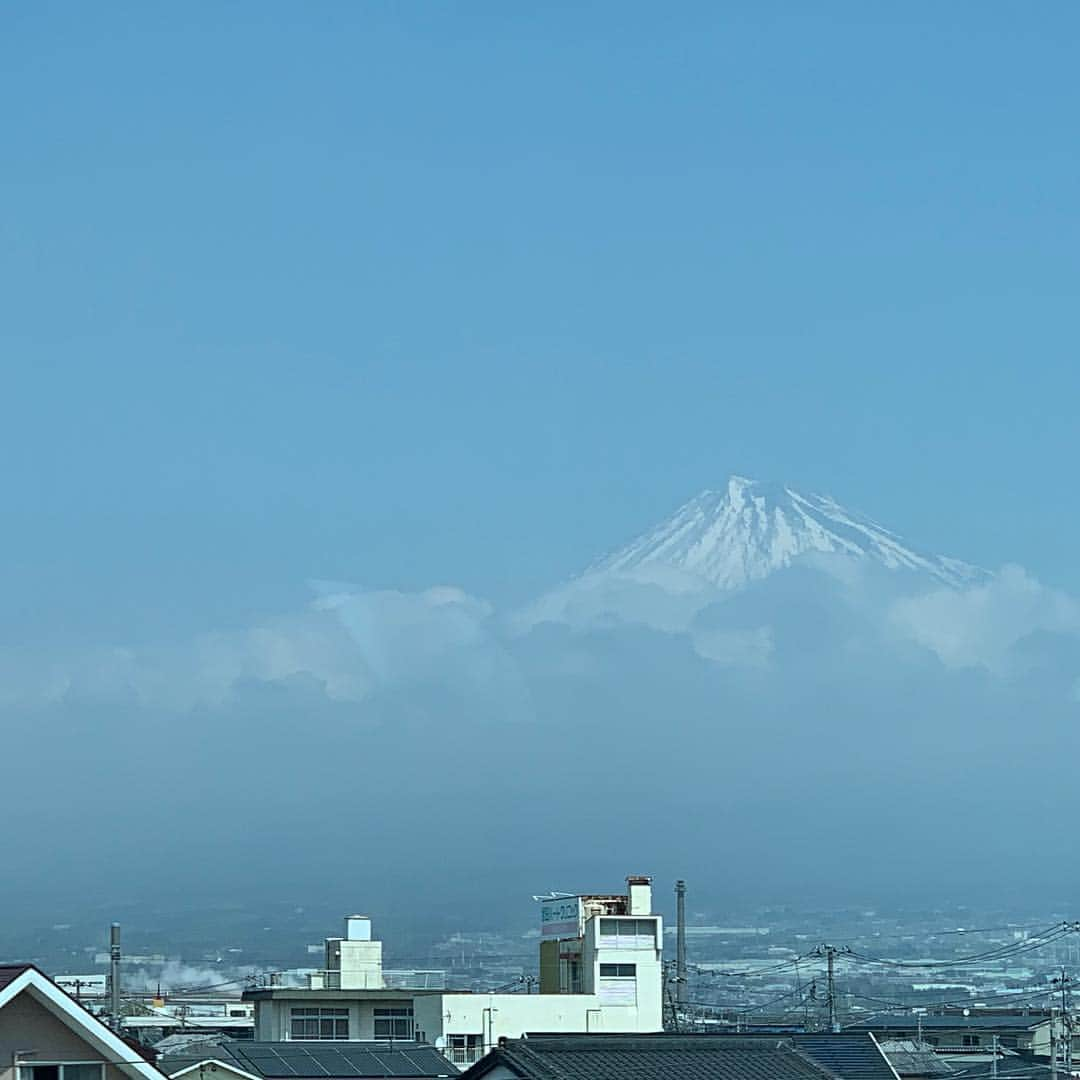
[(943, 982)]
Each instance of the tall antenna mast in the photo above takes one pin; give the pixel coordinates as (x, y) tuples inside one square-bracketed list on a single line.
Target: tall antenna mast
[(114, 974), (680, 942)]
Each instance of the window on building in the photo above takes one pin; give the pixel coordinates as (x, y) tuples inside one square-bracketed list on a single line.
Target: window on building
[(464, 1049), (317, 1023), (970, 1040), (68, 1070), (394, 1022), (618, 984), (628, 933), (1009, 1040)]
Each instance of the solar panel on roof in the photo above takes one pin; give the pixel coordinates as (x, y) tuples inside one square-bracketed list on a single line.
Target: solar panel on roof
[(313, 1061)]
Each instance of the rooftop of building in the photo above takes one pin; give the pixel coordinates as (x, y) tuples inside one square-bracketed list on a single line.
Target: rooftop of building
[(854, 1055), (957, 1022), (911, 1058), (10, 972), (302, 993), (914, 1059), (689, 1057), (280, 1060)]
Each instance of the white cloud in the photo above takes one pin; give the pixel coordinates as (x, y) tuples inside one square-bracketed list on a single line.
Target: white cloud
[(735, 648), (352, 642), (348, 643), (980, 626), (660, 597)]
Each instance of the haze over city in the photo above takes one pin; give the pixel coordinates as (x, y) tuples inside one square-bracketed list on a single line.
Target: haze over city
[(478, 451)]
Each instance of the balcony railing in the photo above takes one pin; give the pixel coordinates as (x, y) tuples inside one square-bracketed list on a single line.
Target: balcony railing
[(463, 1055)]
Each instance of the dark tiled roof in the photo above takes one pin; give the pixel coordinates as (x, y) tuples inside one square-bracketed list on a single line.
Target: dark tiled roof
[(10, 972), (853, 1055), (171, 1064), (281, 1060), (652, 1057)]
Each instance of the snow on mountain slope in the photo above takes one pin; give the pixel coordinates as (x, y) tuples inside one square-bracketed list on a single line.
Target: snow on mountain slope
[(750, 530)]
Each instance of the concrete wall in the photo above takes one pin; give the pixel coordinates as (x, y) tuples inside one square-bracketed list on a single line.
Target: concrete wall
[(490, 1015), (649, 967), (494, 1016), (27, 1025), (273, 1015)]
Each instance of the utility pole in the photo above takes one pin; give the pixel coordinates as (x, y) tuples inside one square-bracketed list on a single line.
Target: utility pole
[(680, 942), (833, 1025), (829, 952), (1053, 1044), (1064, 983), (114, 974), (803, 998), (673, 1007), (993, 1060)]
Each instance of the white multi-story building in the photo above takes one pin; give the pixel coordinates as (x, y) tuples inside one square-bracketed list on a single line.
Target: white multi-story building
[(600, 971)]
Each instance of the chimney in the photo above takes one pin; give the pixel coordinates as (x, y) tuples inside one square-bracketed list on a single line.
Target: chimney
[(639, 895)]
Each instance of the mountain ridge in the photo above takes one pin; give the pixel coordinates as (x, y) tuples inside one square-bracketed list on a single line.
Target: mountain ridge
[(751, 529)]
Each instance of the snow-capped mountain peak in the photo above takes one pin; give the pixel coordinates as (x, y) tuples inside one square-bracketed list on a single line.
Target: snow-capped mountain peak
[(751, 529)]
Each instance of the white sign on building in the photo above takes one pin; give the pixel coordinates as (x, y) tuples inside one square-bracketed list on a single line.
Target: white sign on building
[(561, 918)]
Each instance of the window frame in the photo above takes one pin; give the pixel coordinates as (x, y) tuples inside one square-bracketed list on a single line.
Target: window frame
[(399, 1018), (26, 1068), (318, 1015), (621, 971), (628, 932)]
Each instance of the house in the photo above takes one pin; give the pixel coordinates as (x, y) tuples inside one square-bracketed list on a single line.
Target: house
[(600, 971), (1024, 1032), (665, 1056), (45, 1034), (918, 1061), (235, 1059)]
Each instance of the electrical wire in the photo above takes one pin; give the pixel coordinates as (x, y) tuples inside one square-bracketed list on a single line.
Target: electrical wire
[(1047, 937)]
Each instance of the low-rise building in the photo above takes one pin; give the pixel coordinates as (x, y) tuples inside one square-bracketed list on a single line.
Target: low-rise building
[(45, 1034), (1022, 1031), (297, 1014), (600, 971)]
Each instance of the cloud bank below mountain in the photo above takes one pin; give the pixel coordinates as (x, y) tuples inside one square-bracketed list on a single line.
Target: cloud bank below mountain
[(833, 698)]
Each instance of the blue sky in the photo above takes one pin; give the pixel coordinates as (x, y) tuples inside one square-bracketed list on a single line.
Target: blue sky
[(402, 294)]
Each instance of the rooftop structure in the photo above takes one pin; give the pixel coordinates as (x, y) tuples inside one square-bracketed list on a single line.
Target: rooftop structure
[(244, 1060), (665, 1056)]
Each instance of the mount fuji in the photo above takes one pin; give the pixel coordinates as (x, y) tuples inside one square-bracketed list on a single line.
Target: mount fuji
[(749, 530)]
